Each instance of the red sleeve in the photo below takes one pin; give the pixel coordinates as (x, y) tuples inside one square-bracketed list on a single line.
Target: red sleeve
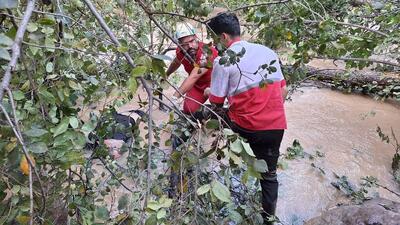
[(216, 100), (283, 83)]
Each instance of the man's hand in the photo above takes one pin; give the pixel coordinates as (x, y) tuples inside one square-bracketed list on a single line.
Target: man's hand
[(177, 95), (207, 92)]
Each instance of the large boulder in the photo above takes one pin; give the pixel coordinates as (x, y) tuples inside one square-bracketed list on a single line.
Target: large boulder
[(377, 211)]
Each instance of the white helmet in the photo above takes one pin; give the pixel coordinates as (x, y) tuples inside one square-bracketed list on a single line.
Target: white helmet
[(184, 30)]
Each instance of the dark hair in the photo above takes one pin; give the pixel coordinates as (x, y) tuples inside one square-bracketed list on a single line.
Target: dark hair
[(225, 23)]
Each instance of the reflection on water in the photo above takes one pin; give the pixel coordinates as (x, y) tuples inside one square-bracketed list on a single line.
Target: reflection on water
[(343, 127)]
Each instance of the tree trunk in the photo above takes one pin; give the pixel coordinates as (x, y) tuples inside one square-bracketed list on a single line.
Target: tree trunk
[(368, 82)]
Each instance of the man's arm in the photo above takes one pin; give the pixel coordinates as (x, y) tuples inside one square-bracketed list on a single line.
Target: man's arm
[(189, 82), (176, 63)]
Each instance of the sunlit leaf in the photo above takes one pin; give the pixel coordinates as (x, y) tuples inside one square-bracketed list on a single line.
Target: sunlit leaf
[(260, 165), (203, 189), (247, 148), (4, 54), (5, 40), (38, 147), (61, 128), (221, 191), (236, 146)]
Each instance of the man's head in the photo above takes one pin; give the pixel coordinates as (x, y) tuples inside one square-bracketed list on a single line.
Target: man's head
[(225, 28), (186, 36)]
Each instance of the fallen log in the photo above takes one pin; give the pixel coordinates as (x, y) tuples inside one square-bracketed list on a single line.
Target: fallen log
[(385, 85)]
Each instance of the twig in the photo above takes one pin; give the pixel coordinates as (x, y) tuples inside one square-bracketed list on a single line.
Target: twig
[(16, 47), (391, 191), (197, 174), (114, 175), (30, 195), (150, 139)]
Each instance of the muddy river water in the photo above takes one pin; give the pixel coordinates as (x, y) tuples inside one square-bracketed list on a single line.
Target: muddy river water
[(343, 127)]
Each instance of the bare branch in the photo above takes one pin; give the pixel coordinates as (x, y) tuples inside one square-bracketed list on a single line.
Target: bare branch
[(149, 141), (16, 47)]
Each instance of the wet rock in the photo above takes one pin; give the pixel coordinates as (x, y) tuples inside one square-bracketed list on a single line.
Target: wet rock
[(377, 211)]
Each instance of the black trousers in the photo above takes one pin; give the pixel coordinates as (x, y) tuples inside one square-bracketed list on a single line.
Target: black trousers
[(265, 145)]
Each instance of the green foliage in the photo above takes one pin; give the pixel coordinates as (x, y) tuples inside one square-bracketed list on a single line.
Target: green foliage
[(295, 151)]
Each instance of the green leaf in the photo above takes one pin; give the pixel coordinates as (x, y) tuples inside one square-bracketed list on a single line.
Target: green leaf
[(122, 49), (236, 146), (132, 85), (203, 189), (32, 27), (123, 202), (165, 202), (228, 132), (74, 122), (46, 21), (102, 213), (212, 124), (153, 205), (221, 191), (235, 216), (162, 57), (4, 54), (161, 214), (272, 62), (273, 69), (88, 127), (152, 220), (247, 148), (38, 147), (61, 128), (49, 67), (236, 159), (35, 132), (170, 6), (138, 71), (47, 96), (18, 95), (260, 166), (8, 4), (5, 40)]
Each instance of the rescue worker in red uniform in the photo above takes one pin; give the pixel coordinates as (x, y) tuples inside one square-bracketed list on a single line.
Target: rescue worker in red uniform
[(199, 67)]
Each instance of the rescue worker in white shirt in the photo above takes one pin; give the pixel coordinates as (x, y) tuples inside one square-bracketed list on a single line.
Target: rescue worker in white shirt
[(256, 113)]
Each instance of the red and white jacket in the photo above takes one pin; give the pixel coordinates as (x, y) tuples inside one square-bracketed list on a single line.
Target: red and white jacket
[(250, 106)]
